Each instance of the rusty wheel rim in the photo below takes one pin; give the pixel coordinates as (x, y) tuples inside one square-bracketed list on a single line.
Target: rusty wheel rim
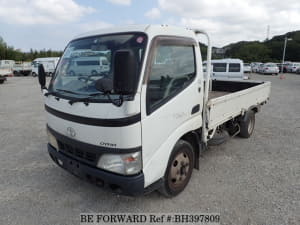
[(179, 170)]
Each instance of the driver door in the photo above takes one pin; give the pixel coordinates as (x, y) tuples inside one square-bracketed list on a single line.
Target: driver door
[(171, 97)]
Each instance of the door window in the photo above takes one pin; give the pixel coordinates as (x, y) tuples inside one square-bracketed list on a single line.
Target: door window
[(173, 67), (234, 67), (219, 67)]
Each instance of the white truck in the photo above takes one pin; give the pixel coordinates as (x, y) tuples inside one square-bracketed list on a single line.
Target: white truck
[(22, 68), (142, 125), (6, 67), (48, 63)]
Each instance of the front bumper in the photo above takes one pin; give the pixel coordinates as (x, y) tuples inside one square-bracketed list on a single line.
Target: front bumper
[(127, 185)]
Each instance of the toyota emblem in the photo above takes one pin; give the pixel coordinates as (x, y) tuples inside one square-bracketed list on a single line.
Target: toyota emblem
[(71, 132)]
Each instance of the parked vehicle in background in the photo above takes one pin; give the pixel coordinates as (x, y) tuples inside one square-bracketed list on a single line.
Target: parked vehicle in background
[(292, 67), (48, 63), (255, 67), (227, 69), (247, 68), (260, 68), (88, 65), (6, 67), (298, 71), (22, 68), (269, 68), (279, 65), (284, 67), (2, 79)]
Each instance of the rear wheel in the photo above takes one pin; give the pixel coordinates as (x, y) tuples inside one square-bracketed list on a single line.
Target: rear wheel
[(179, 170), (247, 125)]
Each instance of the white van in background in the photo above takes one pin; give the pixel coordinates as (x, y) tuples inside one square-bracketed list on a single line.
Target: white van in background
[(90, 65), (48, 63), (227, 69)]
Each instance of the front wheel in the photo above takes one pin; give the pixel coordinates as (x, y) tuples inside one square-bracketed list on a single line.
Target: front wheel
[(247, 125), (179, 169)]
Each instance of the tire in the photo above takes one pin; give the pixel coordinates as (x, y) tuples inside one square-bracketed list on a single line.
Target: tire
[(179, 169), (247, 124), (33, 74), (16, 73)]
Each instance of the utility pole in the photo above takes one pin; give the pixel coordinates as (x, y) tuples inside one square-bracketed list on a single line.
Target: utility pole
[(283, 55), (268, 32)]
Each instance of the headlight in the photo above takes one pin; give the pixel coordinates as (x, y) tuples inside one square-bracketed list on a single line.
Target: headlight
[(126, 164), (52, 140)]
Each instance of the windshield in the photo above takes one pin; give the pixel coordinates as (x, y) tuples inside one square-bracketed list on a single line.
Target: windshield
[(87, 60)]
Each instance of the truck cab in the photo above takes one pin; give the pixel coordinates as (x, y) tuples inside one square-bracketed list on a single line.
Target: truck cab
[(141, 124), (49, 64)]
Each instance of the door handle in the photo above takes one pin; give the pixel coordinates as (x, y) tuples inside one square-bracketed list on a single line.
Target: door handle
[(195, 109)]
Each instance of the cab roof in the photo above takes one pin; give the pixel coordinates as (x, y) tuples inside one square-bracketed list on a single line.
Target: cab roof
[(150, 30)]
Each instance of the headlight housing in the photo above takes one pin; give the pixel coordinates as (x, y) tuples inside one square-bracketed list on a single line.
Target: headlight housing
[(126, 164), (52, 140)]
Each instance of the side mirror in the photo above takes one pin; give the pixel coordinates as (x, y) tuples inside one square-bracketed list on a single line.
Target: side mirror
[(125, 72), (42, 76)]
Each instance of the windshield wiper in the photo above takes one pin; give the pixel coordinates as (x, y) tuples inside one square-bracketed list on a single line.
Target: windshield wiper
[(50, 93), (116, 102), (61, 90), (67, 91), (86, 100)]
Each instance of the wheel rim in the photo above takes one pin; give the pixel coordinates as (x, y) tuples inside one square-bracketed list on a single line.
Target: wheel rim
[(179, 170), (250, 126)]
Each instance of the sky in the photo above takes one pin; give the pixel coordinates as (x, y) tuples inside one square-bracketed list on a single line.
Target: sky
[(51, 24)]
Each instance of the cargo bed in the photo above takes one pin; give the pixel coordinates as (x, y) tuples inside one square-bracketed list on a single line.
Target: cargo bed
[(228, 99)]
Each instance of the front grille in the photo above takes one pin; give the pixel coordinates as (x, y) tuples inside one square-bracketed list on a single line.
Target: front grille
[(77, 153)]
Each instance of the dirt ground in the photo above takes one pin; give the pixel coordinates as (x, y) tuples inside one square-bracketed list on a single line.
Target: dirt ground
[(247, 181)]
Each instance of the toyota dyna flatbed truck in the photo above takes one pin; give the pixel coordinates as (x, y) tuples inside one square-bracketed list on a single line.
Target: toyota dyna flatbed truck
[(142, 125)]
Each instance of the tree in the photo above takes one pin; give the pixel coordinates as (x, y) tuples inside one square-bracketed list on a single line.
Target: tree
[(8, 52)]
